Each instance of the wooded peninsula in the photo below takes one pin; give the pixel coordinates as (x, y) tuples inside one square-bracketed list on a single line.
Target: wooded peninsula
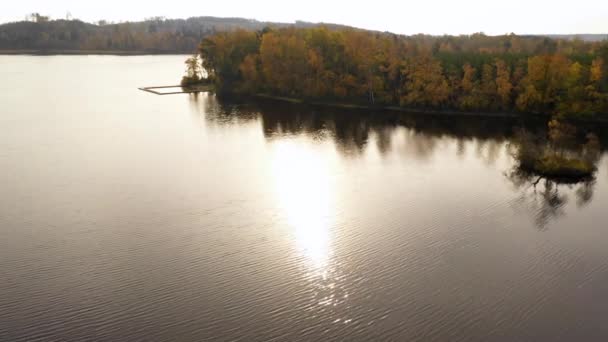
[(476, 73)]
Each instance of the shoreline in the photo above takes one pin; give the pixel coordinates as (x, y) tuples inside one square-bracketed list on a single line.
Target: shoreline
[(34, 52), (437, 112), (392, 108)]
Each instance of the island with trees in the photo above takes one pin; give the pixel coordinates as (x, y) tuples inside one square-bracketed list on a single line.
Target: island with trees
[(561, 154)]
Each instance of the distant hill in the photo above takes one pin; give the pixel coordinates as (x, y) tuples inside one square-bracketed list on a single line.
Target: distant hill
[(156, 35), (583, 37), (152, 36)]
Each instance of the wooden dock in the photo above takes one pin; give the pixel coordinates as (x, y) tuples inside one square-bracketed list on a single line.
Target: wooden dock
[(182, 90)]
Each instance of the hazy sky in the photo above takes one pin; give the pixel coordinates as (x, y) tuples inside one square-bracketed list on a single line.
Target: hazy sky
[(408, 17)]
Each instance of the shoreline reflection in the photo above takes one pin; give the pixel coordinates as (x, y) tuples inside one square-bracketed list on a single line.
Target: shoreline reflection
[(545, 200), (354, 133)]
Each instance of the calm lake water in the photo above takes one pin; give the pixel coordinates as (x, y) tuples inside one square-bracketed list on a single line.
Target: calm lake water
[(127, 216)]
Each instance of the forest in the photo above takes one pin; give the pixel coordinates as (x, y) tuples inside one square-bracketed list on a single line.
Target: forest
[(509, 73)]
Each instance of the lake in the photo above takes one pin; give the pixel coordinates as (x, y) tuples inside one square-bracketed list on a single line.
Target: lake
[(128, 216)]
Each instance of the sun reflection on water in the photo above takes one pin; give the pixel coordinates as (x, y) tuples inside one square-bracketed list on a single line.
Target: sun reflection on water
[(305, 191), (304, 194)]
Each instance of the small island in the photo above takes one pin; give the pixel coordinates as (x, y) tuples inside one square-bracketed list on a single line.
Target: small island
[(559, 156)]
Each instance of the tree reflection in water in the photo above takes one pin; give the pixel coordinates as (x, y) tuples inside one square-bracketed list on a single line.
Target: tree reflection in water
[(353, 130), (419, 136), (545, 199)]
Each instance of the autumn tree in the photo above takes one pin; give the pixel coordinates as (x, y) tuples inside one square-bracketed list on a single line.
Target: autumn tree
[(504, 87), (193, 71), (222, 55), (545, 84), (425, 83), (488, 88), (469, 86)]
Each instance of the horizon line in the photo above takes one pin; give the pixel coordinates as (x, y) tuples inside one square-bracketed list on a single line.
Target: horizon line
[(163, 18)]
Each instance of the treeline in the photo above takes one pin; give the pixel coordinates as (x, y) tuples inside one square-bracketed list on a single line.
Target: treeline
[(507, 73), (155, 35)]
